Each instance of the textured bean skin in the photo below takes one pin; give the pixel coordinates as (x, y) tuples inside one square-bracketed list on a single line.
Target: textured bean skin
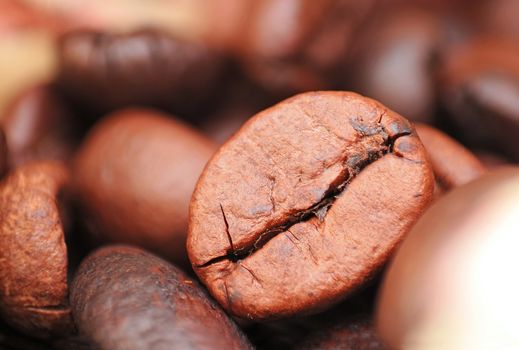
[(305, 202), (33, 258), (125, 298), (146, 67)]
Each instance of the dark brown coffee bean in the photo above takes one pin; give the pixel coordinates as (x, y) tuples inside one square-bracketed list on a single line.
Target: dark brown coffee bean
[(394, 60), (452, 163), (38, 126), (33, 258), (353, 334), (134, 176), (480, 90), (291, 46), (125, 298), (147, 67), (305, 203)]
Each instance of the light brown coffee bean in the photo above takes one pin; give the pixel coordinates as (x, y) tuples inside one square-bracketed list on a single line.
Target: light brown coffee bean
[(134, 176), (305, 203), (33, 258)]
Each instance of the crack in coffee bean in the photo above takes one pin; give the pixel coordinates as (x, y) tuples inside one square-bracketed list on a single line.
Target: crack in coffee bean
[(353, 166)]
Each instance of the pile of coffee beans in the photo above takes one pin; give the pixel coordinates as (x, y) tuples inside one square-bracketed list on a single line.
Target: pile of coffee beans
[(259, 174)]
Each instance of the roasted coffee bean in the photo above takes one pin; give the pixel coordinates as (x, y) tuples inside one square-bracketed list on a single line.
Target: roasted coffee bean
[(356, 333), (394, 61), (305, 203), (480, 90), (292, 46), (125, 298), (451, 284), (134, 176), (38, 125), (148, 67), (452, 163), (20, 16), (33, 258)]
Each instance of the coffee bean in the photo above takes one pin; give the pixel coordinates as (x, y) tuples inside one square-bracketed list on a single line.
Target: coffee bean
[(480, 90), (305, 203), (147, 67), (395, 57), (133, 177), (451, 284), (39, 126), (291, 46), (125, 298), (452, 163), (33, 258)]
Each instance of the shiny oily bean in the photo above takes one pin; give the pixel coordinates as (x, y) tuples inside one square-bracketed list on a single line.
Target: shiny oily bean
[(125, 298)]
